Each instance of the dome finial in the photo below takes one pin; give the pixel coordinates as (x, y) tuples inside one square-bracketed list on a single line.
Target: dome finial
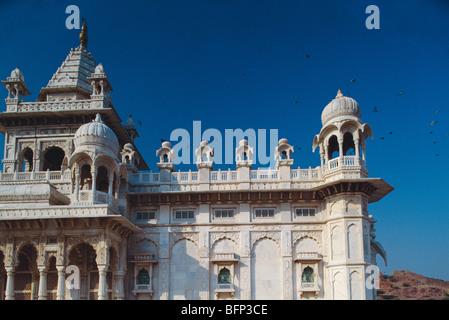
[(98, 118), (339, 94), (83, 34)]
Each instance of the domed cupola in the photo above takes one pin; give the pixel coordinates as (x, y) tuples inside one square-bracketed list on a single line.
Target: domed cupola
[(96, 134), (339, 108)]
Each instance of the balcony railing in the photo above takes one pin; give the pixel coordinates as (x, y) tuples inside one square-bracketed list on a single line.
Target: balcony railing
[(58, 105), (35, 175), (260, 179), (94, 197)]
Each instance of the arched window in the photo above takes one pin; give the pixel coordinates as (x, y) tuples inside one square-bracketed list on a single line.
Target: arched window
[(143, 277), (307, 275), (26, 164), (348, 144), (53, 159), (86, 177), (224, 276), (102, 180), (333, 148)]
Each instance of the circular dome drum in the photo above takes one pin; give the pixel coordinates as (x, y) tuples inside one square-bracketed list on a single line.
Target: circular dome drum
[(96, 133), (340, 106)]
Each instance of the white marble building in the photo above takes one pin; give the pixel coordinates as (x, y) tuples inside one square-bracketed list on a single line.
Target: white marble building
[(75, 191)]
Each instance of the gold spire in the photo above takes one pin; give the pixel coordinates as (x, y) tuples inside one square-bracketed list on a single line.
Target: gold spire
[(83, 34)]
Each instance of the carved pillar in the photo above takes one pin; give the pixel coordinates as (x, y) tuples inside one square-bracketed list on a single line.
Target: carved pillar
[(340, 147), (204, 265), (164, 265), (111, 182), (93, 172), (60, 295), (363, 150), (84, 286), (77, 183), (287, 264), (102, 271), (357, 152), (119, 285), (42, 283), (35, 285), (326, 153), (9, 293), (245, 264), (322, 155)]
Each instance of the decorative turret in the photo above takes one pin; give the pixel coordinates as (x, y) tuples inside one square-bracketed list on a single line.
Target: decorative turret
[(100, 83), (131, 128), (283, 153), (342, 136), (204, 163), (165, 165), (283, 156), (244, 162), (94, 163), (17, 89), (204, 154), (244, 154)]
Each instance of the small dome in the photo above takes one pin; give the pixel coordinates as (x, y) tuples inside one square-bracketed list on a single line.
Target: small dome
[(243, 142), (128, 146), (283, 141), (96, 133), (99, 69), (166, 144), (17, 74), (340, 106)]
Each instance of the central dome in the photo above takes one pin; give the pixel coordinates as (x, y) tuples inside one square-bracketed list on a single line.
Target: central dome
[(340, 106), (96, 133)]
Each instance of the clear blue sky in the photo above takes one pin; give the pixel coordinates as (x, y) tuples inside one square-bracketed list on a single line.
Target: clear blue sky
[(173, 62)]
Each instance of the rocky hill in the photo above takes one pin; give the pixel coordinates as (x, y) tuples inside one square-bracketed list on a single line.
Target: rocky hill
[(406, 285)]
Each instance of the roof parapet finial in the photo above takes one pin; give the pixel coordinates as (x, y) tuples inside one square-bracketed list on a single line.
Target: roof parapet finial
[(83, 34), (339, 94)]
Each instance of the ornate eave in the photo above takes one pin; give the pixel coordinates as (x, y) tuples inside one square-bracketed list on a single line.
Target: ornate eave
[(35, 219), (374, 189)]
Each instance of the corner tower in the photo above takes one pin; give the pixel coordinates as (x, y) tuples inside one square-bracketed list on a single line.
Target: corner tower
[(342, 139)]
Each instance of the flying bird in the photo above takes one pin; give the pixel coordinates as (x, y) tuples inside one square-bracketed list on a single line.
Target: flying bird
[(296, 102), (353, 80), (391, 132), (243, 74), (431, 132), (437, 112), (382, 138), (375, 109), (401, 93), (433, 122), (307, 56), (139, 122)]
